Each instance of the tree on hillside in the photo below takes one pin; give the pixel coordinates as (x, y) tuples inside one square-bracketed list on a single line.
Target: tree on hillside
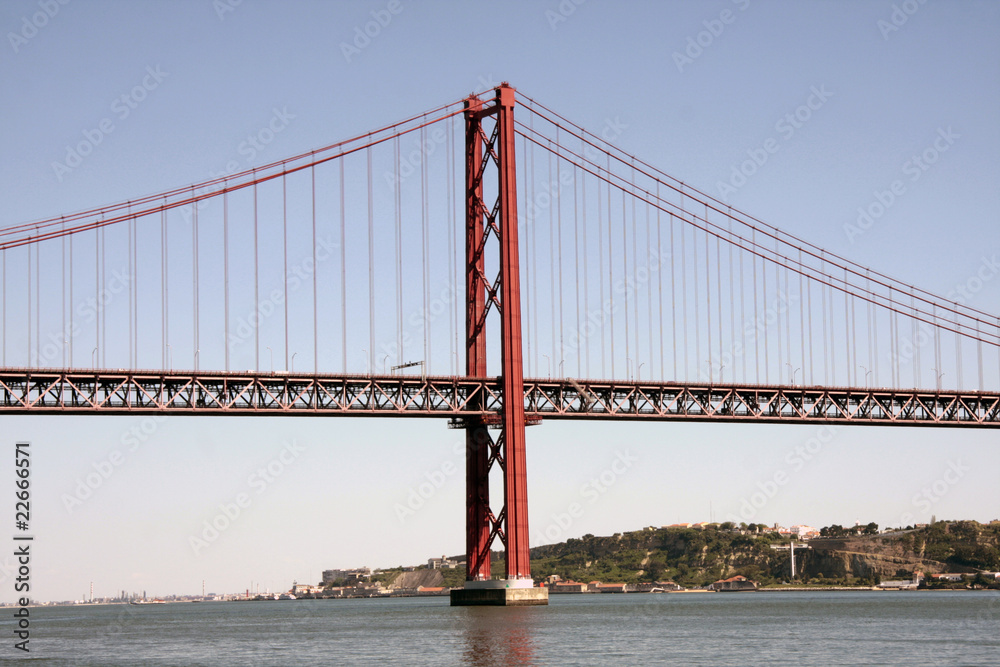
[(870, 529)]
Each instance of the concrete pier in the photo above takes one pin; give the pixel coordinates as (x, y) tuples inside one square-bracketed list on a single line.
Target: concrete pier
[(500, 593)]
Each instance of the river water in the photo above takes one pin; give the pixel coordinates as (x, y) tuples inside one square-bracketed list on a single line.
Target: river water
[(791, 628)]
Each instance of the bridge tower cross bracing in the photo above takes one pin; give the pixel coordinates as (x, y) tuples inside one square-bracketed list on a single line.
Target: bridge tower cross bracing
[(494, 225)]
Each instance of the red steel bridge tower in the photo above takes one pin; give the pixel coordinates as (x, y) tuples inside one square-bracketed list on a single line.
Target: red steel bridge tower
[(491, 224)]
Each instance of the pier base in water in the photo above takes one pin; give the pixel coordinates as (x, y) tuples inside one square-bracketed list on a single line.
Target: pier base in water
[(500, 593)]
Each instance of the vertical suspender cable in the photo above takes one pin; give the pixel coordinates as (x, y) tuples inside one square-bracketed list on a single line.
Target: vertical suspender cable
[(256, 283), (743, 319), (766, 326), (534, 260), (600, 281), (62, 289), (135, 284), (131, 280), (371, 267), (532, 214), (29, 304), (557, 199), (826, 352), (625, 283), (102, 353), (802, 325), (586, 272), (833, 340), (611, 273), (684, 297), (778, 295), (284, 254), (708, 297), (756, 315), (425, 251), (915, 341), (72, 329), (3, 333), (788, 320), (958, 353), (659, 278), (553, 325), (937, 349), (868, 308), (697, 300), (673, 296), (452, 275), (38, 300), (225, 271), (530, 291), (576, 271), (979, 358), (649, 292), (809, 282), (852, 341), (732, 303), (343, 267), (194, 280), (164, 321), (399, 253), (315, 271), (635, 284), (718, 283)]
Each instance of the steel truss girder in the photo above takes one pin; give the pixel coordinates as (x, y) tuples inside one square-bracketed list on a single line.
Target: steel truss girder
[(55, 391), (762, 404)]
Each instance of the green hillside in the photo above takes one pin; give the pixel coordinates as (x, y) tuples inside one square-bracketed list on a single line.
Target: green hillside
[(694, 557)]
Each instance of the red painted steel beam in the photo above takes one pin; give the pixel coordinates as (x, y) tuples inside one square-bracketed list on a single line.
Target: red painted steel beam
[(512, 375), (477, 480)]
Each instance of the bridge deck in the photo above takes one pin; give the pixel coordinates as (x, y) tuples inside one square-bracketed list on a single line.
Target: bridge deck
[(33, 391)]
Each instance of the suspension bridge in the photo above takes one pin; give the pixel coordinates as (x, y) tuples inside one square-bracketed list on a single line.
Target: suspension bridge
[(464, 264)]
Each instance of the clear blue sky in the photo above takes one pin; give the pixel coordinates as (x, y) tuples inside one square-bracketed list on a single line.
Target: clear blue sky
[(215, 76)]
